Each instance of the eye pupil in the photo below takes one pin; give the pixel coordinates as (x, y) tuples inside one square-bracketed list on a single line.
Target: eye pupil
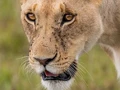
[(68, 17), (31, 17)]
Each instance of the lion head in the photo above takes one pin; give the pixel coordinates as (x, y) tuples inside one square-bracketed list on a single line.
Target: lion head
[(59, 31)]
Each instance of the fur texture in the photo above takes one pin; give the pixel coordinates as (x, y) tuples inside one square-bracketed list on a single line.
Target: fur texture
[(96, 21)]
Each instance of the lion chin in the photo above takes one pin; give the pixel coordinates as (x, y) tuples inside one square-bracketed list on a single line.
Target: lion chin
[(57, 85), (61, 81)]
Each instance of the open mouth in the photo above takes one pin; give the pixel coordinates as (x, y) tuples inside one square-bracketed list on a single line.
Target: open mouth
[(67, 75)]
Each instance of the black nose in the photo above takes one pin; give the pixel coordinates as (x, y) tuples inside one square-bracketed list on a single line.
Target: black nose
[(44, 62)]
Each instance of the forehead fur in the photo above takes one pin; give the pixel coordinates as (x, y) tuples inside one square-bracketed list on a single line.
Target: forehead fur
[(51, 1), (46, 6), (97, 2), (47, 3)]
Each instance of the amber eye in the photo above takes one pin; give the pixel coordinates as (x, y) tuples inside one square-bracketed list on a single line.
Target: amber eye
[(31, 17), (68, 17)]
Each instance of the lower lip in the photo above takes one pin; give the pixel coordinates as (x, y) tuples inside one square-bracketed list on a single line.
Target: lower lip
[(47, 73), (59, 78)]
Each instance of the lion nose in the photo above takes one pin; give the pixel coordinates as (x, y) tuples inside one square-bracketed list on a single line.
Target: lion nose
[(44, 62)]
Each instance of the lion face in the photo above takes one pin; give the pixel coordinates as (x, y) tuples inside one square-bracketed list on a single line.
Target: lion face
[(59, 33)]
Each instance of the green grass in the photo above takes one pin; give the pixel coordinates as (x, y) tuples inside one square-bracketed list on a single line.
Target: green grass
[(96, 71)]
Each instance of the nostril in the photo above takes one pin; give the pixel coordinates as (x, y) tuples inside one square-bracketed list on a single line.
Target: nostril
[(41, 61), (45, 61)]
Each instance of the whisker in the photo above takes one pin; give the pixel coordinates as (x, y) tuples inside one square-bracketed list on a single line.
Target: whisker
[(23, 65), (86, 71), (81, 71), (72, 75), (75, 71), (24, 57), (26, 69), (85, 52)]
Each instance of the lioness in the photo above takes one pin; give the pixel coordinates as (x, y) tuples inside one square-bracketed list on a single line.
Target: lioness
[(59, 31)]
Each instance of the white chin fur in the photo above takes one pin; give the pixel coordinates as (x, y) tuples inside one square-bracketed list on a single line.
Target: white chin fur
[(57, 85)]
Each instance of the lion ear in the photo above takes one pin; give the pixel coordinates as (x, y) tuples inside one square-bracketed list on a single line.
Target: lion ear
[(22, 1)]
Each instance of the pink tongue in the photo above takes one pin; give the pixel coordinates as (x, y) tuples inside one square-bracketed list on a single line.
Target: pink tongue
[(47, 73)]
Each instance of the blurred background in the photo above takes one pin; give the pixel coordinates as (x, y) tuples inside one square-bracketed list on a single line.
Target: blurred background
[(96, 70)]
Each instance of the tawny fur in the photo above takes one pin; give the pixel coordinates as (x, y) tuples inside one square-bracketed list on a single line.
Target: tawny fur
[(96, 22)]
